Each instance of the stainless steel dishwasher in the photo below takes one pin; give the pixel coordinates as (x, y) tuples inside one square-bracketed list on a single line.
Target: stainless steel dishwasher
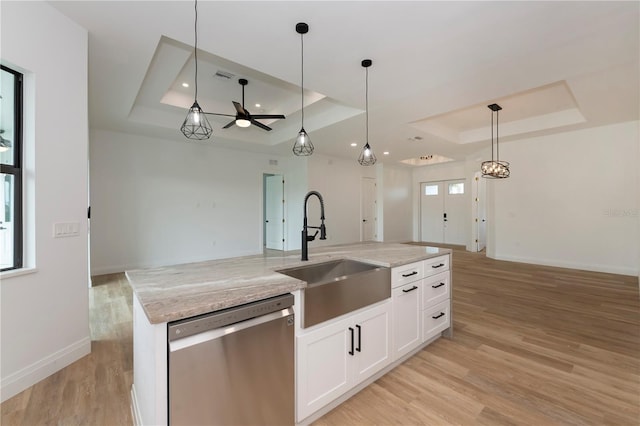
[(234, 367)]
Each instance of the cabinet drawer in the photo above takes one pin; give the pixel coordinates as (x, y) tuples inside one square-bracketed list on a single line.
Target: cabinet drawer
[(407, 273), (436, 265), (435, 319), (436, 289)]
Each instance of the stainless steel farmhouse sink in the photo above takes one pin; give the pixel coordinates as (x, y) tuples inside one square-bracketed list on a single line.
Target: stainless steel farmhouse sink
[(340, 286)]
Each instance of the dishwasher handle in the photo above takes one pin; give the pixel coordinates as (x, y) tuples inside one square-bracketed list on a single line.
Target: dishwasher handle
[(196, 339)]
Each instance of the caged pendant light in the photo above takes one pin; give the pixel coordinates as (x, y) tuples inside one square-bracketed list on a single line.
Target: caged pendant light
[(196, 126), (367, 157), (495, 169), (302, 145)]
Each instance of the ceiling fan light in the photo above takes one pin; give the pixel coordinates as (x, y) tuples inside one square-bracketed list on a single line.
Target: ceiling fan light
[(196, 126), (303, 146), (243, 122)]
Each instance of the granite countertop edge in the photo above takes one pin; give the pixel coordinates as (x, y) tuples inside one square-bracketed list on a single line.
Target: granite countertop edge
[(176, 292)]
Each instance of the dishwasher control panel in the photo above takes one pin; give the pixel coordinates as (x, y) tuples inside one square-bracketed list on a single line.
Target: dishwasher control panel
[(223, 318)]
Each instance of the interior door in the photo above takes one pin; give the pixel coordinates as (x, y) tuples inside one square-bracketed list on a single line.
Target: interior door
[(455, 220), (479, 212), (274, 212), (431, 212), (368, 209)]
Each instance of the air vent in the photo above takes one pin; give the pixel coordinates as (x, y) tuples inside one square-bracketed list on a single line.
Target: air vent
[(224, 74)]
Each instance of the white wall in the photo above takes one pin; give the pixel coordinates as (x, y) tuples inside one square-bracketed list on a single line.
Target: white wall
[(45, 313), (339, 182), (398, 203), (572, 200), (157, 202)]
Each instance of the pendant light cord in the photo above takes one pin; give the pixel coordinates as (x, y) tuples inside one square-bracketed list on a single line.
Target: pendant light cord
[(195, 49), (497, 136), (492, 136), (366, 97), (302, 76)]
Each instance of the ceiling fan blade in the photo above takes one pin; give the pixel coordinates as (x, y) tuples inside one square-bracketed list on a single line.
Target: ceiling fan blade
[(239, 108), (215, 113), (274, 116), (230, 124), (259, 124)]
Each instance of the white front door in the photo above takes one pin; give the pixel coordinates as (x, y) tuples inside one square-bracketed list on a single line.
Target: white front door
[(442, 212), (368, 209), (431, 212), (455, 221), (274, 212)]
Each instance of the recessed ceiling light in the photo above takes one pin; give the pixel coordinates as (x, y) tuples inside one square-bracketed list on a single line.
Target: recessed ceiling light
[(354, 144), (385, 153), (258, 105), (185, 84)]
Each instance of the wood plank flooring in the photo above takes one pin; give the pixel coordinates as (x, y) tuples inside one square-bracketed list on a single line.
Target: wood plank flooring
[(532, 345)]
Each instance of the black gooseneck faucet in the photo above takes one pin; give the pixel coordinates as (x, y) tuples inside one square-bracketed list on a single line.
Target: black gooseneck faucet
[(323, 231)]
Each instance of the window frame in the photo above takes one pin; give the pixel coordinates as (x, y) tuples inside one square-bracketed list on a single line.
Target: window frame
[(16, 171)]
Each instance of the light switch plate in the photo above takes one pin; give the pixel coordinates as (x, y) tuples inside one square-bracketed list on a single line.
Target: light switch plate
[(66, 229)]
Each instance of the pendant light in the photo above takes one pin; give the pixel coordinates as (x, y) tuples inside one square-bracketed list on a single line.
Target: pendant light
[(196, 126), (302, 145), (367, 157), (495, 169)]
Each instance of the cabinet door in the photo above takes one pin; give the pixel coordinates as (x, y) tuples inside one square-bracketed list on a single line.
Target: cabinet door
[(323, 367), (407, 333), (372, 341)]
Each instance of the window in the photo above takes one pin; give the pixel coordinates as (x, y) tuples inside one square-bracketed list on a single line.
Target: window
[(10, 169), (431, 190), (456, 188)]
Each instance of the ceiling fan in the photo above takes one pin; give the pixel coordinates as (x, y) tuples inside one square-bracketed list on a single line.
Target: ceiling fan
[(243, 117)]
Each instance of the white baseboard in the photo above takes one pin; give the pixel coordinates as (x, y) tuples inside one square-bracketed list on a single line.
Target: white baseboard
[(135, 409), (22, 379), (610, 269)]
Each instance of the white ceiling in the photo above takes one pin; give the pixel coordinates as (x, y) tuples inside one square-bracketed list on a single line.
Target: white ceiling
[(552, 66)]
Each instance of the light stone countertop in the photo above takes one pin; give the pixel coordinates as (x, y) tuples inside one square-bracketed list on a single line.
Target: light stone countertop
[(175, 292)]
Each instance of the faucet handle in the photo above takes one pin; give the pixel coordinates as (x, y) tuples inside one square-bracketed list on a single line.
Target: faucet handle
[(312, 237)]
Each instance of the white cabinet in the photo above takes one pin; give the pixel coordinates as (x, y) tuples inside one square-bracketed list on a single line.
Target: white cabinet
[(419, 290), (336, 357), (407, 330)]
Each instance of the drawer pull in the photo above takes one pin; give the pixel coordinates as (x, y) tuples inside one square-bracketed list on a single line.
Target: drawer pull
[(412, 273), (415, 287), (436, 286), (438, 316), (437, 266)]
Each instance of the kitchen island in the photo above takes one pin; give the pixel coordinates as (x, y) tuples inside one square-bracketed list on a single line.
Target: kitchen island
[(166, 294)]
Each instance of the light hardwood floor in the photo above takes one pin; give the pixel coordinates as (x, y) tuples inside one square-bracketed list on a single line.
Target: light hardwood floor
[(532, 345)]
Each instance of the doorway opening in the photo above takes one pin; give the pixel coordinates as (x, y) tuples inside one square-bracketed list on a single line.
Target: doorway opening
[(273, 211)]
